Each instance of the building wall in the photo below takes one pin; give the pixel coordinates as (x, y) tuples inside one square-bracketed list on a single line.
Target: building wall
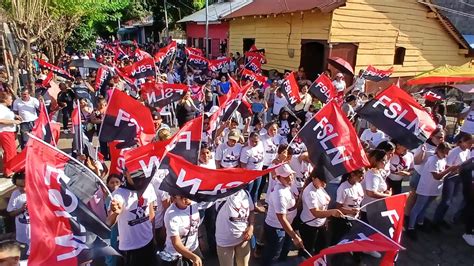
[(279, 36), (217, 33), (378, 26)]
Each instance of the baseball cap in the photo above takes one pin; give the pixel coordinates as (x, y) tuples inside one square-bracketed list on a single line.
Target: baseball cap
[(234, 134), (284, 171)]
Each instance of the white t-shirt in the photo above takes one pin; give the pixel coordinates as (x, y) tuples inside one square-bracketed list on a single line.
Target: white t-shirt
[(298, 147), (428, 186), (372, 138), (211, 164), (284, 129), (350, 196), (302, 170), (160, 197), (22, 220), (233, 219), (279, 103), (183, 223), (253, 156), (405, 163), (6, 114), (228, 156), (339, 85), (373, 181), (430, 150), (282, 200), (271, 148), (468, 126), (27, 110), (314, 198), (134, 225), (457, 156)]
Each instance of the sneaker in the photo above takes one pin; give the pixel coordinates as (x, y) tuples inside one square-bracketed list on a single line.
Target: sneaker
[(374, 254), (411, 234), (469, 238)]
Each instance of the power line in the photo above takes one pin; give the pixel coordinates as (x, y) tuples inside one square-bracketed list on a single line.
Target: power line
[(448, 9), (466, 3)]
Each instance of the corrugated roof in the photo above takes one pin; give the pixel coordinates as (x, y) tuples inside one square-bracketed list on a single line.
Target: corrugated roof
[(267, 7), (216, 11)]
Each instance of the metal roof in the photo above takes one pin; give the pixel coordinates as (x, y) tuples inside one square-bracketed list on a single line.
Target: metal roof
[(267, 7), (216, 11)]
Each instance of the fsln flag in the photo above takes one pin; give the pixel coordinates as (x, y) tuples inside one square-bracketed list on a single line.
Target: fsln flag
[(234, 102), (332, 142), (433, 96), (290, 89), (250, 56), (164, 56), (254, 65), (56, 70), (387, 215), (218, 64), (374, 74), (323, 89), (63, 230), (144, 68), (161, 94), (193, 51), (139, 55), (400, 116), (202, 184), (102, 78), (125, 119), (360, 238), (198, 62)]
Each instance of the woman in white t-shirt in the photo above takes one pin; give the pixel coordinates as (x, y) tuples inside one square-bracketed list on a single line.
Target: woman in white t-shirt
[(234, 228), (372, 136), (281, 211), (8, 122), (17, 208), (401, 166), (429, 187), (314, 213), (374, 183), (251, 158), (270, 142), (228, 153)]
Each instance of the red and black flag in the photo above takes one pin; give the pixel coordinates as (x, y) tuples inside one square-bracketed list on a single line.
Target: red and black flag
[(257, 79), (323, 89), (332, 142), (400, 116), (161, 94), (193, 51), (290, 89), (56, 70), (63, 230), (117, 159), (164, 56), (254, 55), (102, 78), (360, 238), (245, 109), (197, 62), (387, 215), (433, 96), (203, 184), (235, 100), (126, 119), (119, 54), (76, 121), (143, 69), (140, 55), (131, 82), (218, 64), (47, 80), (374, 74), (254, 65)]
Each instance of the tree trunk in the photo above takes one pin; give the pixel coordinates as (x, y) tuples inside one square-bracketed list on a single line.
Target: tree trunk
[(16, 74), (29, 62)]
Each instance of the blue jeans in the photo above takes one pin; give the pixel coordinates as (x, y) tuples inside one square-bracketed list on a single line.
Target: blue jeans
[(331, 189), (112, 260), (417, 214), (253, 187), (450, 186), (277, 245)]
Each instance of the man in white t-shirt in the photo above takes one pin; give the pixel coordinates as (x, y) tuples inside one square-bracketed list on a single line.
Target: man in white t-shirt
[(228, 153), (26, 107), (372, 136)]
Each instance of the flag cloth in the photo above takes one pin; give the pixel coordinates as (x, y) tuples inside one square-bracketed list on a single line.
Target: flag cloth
[(374, 74), (235, 100), (387, 215), (203, 184), (332, 142), (57, 70), (290, 89), (257, 79), (161, 94), (254, 65), (143, 69), (76, 121), (63, 230), (117, 159), (131, 82), (259, 57), (125, 119), (47, 80), (323, 89), (218, 64), (164, 56), (433, 96), (197, 62), (400, 116), (360, 238), (194, 51), (102, 79), (140, 55)]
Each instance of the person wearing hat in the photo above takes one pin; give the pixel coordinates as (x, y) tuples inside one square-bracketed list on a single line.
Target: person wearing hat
[(228, 153), (281, 211), (339, 83)]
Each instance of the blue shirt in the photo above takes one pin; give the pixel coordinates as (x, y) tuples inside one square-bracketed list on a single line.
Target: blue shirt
[(225, 87)]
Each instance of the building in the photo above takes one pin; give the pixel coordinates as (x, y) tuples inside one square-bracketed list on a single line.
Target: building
[(407, 34), (138, 30), (218, 29)]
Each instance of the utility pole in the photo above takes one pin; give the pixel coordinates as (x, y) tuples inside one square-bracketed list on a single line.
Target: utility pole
[(166, 21), (207, 30)]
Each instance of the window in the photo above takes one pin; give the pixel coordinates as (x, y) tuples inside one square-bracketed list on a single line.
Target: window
[(399, 56), (248, 42)]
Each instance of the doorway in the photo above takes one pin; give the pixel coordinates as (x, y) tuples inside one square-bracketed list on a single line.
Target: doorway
[(313, 57), (248, 42)]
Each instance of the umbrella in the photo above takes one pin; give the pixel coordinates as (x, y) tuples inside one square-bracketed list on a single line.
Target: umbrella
[(341, 64), (85, 63), (444, 74)]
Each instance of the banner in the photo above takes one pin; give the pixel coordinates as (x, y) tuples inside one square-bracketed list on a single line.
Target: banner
[(198, 62), (400, 116), (102, 79), (387, 215), (332, 142), (161, 94), (360, 238), (291, 90), (56, 70), (323, 89), (218, 64), (125, 119), (374, 74), (63, 230), (193, 51), (143, 69)]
